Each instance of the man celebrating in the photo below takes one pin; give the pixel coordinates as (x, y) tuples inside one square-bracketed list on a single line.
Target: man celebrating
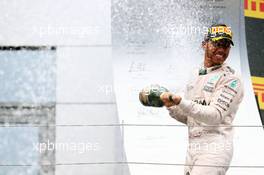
[(208, 106)]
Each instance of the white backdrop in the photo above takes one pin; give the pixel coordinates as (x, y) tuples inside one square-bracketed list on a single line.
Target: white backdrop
[(152, 45), (150, 42)]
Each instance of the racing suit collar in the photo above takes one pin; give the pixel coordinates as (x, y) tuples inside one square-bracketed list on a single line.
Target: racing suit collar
[(203, 70)]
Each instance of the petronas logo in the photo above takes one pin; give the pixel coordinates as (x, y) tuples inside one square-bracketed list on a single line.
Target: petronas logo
[(233, 84), (214, 79)]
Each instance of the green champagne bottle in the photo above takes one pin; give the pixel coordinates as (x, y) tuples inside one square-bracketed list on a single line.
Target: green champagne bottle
[(150, 95)]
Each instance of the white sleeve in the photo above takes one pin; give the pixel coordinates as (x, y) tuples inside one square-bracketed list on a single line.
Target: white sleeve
[(225, 100), (176, 113)]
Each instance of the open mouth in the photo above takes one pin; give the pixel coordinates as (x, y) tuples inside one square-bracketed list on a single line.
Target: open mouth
[(219, 54)]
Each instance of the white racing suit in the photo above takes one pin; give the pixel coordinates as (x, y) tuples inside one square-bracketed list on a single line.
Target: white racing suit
[(208, 108)]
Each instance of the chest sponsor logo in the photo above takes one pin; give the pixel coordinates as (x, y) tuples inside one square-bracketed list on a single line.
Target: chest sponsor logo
[(214, 79), (230, 90), (202, 102), (228, 93), (208, 88), (223, 108), (222, 102), (225, 97)]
